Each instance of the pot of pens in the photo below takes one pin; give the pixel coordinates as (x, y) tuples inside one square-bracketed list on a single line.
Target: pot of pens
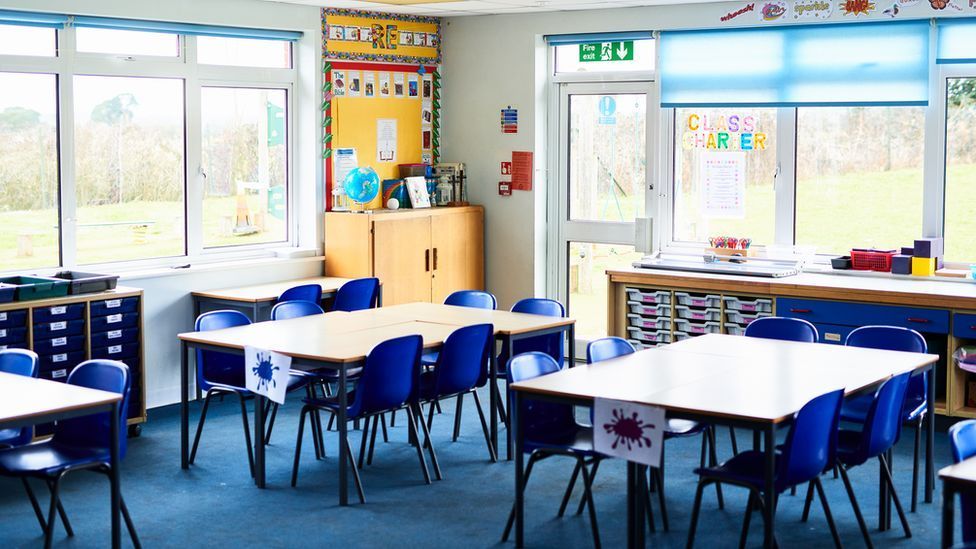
[(730, 246)]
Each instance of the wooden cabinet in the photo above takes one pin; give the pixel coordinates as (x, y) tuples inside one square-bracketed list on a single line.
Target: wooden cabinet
[(419, 255)]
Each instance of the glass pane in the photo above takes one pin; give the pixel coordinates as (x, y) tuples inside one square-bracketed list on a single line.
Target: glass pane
[(859, 177), (724, 170), (568, 58), (245, 158), (123, 42), (960, 198), (28, 171), (129, 168), (607, 156), (16, 40), (588, 283), (243, 52)]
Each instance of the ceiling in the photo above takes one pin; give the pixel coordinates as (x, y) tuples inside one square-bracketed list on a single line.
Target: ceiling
[(449, 8)]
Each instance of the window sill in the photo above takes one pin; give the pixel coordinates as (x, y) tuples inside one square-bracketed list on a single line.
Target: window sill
[(160, 272)]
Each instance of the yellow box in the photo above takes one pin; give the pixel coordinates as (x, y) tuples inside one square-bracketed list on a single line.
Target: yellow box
[(923, 266)]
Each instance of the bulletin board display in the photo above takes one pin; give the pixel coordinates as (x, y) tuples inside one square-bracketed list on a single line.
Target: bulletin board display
[(385, 37)]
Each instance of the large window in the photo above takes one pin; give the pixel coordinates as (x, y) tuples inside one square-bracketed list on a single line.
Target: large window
[(960, 184), (162, 156)]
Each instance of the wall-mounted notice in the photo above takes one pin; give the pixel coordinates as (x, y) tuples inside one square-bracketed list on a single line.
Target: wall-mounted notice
[(522, 170), (345, 162), (509, 120), (386, 140), (722, 184)]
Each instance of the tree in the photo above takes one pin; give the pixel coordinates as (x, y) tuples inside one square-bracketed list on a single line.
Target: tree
[(116, 112), (18, 118)]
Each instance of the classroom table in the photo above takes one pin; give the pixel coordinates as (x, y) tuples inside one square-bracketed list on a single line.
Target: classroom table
[(719, 379), (337, 340), (959, 478), (509, 327), (261, 297), (26, 401)]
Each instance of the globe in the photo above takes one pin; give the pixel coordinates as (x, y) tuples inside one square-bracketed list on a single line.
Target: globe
[(362, 185)]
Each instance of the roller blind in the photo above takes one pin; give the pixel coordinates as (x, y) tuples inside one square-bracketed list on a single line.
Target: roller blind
[(809, 65), (569, 39), (183, 28), (31, 19), (957, 41)]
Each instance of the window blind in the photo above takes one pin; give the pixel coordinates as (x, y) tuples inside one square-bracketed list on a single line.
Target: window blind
[(957, 41), (182, 28), (31, 19)]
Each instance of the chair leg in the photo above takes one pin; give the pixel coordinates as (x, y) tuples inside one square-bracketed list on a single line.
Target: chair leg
[(298, 446), (412, 425), (918, 445), (372, 438), (386, 437), (318, 439), (659, 472), (429, 443), (484, 428), (807, 502), (64, 516), (735, 445), (355, 473), (393, 418), (744, 534), (203, 418), (34, 504), (247, 433), (826, 509), (857, 508), (501, 404), (569, 488), (894, 495), (694, 514), (363, 442), (596, 467), (588, 494), (713, 461), (457, 417), (430, 413), (645, 489), (525, 482), (49, 531), (129, 524), (271, 422)]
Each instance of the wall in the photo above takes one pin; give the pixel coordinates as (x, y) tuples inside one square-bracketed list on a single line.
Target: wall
[(491, 62)]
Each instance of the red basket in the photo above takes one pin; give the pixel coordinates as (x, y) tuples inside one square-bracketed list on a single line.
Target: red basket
[(872, 260)]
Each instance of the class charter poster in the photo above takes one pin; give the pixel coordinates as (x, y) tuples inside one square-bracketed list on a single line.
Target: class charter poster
[(722, 181)]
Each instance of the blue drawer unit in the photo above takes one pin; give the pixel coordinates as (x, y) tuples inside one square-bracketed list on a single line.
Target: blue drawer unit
[(115, 321), (61, 360), (63, 344), (13, 318), (964, 326), (833, 333), (74, 311), (55, 374), (60, 328), (933, 321), (13, 335), (114, 337), (114, 306), (116, 352)]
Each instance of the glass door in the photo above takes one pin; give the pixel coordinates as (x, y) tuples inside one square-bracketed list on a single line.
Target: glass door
[(605, 136)]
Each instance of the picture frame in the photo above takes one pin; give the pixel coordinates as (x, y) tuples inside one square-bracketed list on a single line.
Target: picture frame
[(417, 191)]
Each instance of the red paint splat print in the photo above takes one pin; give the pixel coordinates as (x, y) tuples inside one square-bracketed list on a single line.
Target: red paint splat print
[(629, 430), (857, 7)]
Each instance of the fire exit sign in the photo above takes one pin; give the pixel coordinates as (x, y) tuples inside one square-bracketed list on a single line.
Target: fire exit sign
[(607, 51)]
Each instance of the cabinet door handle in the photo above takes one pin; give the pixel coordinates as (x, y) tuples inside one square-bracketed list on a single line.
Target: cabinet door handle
[(919, 320), (801, 311), (435, 259), (427, 260)]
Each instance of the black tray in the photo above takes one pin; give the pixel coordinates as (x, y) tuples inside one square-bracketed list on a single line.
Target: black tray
[(87, 283)]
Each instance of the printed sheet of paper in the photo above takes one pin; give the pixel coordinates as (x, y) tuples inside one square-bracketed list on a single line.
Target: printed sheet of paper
[(634, 432), (386, 139), (266, 373), (722, 184), (345, 162)]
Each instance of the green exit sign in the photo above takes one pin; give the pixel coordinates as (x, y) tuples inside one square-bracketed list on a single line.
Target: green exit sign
[(606, 51)]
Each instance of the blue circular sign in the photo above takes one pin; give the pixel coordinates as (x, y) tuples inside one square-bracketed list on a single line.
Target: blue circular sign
[(608, 106)]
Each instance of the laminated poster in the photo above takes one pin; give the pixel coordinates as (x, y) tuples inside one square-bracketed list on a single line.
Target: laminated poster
[(369, 84), (337, 32), (722, 184), (384, 84), (338, 83), (522, 168), (386, 140), (345, 162), (426, 114), (398, 84), (412, 86), (355, 84), (427, 88)]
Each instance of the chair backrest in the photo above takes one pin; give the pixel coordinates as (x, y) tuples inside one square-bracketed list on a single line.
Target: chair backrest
[(92, 431), (882, 424), (305, 292), (962, 440), (810, 443), (294, 309), (214, 366), (607, 348), (390, 376), (895, 338), (786, 329), (551, 344), (540, 420), (19, 362), (357, 295), (472, 298), (463, 360)]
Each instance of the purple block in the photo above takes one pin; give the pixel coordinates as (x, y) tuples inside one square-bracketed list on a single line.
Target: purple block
[(928, 247), (939, 263), (901, 264), (905, 250)]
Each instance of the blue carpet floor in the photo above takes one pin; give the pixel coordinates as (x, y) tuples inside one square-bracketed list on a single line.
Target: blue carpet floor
[(216, 504)]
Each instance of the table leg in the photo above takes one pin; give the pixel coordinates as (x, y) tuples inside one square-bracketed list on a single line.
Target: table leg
[(343, 440), (493, 397), (770, 495), (514, 424), (930, 438), (197, 307), (948, 514), (115, 478), (631, 505), (755, 441), (184, 407), (507, 346), (379, 296), (572, 344), (255, 310), (259, 478)]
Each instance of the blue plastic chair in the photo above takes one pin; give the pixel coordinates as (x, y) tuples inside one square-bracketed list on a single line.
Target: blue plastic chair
[(78, 443), (606, 348), (550, 429), (305, 292), (389, 382), (807, 451), (19, 362), (358, 294), (962, 440), (462, 367), (475, 299), (783, 328), (894, 338), (221, 373), (879, 432), (284, 310)]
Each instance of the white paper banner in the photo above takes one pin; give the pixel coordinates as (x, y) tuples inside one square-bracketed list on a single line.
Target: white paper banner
[(634, 432), (266, 373)]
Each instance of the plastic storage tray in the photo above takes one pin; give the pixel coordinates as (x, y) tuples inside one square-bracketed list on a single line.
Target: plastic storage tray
[(682, 311), (748, 304), (697, 300), (658, 297), (735, 329), (7, 292), (650, 310), (87, 283), (681, 336), (688, 326), (36, 287), (653, 323), (736, 317), (649, 336)]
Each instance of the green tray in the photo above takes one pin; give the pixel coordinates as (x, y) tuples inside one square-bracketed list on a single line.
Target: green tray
[(36, 287)]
